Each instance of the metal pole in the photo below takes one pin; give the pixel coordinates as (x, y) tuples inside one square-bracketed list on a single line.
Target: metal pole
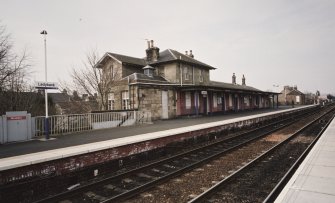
[(46, 123)]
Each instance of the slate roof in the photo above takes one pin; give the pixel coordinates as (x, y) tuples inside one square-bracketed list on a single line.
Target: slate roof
[(129, 59), (59, 97), (167, 55), (233, 86), (173, 55), (140, 77), (294, 92)]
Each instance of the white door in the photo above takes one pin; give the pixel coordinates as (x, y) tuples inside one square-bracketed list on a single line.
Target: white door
[(165, 104)]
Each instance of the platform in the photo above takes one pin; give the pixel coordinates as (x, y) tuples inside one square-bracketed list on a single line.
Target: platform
[(314, 180), (57, 149)]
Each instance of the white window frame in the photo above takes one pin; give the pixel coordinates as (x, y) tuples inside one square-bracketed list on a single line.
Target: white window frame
[(186, 75), (125, 100), (111, 101), (297, 98), (201, 77), (188, 100), (215, 100), (219, 100)]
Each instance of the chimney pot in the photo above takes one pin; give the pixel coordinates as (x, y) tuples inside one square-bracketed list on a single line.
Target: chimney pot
[(234, 79), (191, 54), (243, 80), (186, 53), (148, 41), (152, 43)]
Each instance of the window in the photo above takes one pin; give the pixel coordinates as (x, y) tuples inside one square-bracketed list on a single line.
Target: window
[(230, 100), (149, 72), (201, 77), (215, 100), (219, 99), (111, 101), (297, 99), (247, 101), (111, 72), (187, 77), (125, 100), (188, 100)]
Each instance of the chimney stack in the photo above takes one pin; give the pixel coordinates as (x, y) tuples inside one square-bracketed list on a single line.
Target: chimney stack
[(243, 80), (152, 52), (234, 79)]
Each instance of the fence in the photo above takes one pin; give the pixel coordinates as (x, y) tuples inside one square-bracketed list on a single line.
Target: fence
[(61, 124)]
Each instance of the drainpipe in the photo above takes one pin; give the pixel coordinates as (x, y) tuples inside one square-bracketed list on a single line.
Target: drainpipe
[(193, 74), (129, 92)]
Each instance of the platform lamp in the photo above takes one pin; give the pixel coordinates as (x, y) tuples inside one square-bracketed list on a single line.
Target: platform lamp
[(46, 121)]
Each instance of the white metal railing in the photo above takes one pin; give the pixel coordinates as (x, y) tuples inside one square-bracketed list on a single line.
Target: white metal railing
[(61, 124)]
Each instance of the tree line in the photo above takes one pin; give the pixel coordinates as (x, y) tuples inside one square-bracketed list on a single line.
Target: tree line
[(16, 94)]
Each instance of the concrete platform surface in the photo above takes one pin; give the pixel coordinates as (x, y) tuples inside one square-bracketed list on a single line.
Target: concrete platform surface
[(39, 144), (71, 145), (314, 180)]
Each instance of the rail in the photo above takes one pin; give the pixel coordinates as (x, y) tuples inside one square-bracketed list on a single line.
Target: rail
[(62, 124), (203, 197)]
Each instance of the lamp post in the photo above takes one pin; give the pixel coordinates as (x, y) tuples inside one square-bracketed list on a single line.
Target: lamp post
[(46, 121)]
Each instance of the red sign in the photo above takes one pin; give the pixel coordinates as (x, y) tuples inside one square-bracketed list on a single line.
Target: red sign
[(15, 118)]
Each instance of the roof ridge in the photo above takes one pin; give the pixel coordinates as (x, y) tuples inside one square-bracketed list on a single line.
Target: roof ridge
[(174, 56), (124, 55)]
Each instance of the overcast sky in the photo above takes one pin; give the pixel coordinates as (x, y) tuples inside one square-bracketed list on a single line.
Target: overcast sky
[(271, 42)]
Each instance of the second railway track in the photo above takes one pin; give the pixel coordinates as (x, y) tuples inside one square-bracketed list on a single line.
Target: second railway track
[(255, 181)]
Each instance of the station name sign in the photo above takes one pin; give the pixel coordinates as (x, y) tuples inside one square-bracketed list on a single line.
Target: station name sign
[(46, 85), (15, 118)]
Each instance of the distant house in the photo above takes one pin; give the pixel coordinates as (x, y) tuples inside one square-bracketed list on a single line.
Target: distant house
[(291, 94), (69, 104), (171, 84)]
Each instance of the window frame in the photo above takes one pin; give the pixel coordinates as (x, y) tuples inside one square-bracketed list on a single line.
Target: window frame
[(125, 104), (111, 101), (188, 102), (186, 74)]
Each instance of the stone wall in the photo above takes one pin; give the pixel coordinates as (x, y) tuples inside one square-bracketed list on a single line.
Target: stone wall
[(151, 100)]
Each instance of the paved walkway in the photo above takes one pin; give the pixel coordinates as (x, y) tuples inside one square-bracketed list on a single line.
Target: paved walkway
[(314, 181), (61, 141)]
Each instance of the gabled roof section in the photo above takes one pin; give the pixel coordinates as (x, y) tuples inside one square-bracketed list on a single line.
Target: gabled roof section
[(295, 92), (173, 55), (59, 97), (128, 59), (233, 86), (121, 59)]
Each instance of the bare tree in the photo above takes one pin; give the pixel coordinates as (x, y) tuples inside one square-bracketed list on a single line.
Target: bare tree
[(92, 79), (13, 67), (15, 92)]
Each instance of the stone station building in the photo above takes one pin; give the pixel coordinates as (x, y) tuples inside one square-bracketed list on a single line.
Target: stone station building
[(171, 84)]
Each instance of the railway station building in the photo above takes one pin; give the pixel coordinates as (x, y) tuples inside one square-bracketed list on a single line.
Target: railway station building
[(171, 84)]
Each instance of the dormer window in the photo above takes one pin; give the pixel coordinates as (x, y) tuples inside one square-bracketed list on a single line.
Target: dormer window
[(149, 71)]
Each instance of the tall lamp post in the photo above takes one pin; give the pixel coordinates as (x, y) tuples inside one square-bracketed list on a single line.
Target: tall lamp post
[(46, 122)]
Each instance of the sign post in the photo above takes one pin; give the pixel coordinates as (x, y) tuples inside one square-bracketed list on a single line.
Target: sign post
[(46, 123)]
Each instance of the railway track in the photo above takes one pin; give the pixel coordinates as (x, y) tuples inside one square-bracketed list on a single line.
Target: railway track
[(263, 178), (130, 183)]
